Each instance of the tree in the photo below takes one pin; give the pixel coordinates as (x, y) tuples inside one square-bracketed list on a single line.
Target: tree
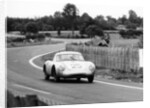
[(47, 27), (85, 18), (130, 25), (122, 20), (132, 22), (132, 16), (100, 18), (94, 30), (9, 24), (31, 27), (101, 22), (20, 27), (58, 22), (57, 14), (134, 19), (85, 21), (111, 22), (70, 13)]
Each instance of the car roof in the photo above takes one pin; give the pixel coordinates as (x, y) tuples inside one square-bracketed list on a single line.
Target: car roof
[(68, 52)]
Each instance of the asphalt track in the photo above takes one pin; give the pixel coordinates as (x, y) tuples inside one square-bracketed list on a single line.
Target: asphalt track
[(24, 75)]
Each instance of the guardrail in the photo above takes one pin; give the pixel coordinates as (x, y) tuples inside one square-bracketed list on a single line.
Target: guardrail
[(125, 59)]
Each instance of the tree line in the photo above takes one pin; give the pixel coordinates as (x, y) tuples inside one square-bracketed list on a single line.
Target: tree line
[(69, 19)]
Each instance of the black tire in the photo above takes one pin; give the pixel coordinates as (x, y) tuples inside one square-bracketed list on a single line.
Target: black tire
[(44, 70), (78, 79), (91, 78), (47, 77), (56, 78)]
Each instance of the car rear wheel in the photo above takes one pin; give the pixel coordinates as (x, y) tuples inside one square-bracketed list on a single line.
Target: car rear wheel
[(44, 70), (91, 78), (47, 77)]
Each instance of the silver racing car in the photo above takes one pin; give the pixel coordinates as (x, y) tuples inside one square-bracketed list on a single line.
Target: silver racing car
[(69, 64)]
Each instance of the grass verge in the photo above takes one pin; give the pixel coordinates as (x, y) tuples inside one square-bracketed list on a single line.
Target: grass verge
[(23, 44), (120, 75)]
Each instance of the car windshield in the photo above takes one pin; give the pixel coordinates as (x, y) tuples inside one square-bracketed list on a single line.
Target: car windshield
[(69, 57)]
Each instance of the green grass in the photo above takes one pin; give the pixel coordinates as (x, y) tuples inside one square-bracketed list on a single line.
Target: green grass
[(124, 43), (23, 44), (117, 41), (63, 33), (121, 75), (17, 40)]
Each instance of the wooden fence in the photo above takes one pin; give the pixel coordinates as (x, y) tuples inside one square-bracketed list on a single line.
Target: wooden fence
[(125, 59)]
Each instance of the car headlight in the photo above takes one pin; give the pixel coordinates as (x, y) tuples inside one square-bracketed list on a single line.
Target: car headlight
[(92, 68), (61, 67)]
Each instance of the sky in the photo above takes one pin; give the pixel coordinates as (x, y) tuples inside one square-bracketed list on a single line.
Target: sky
[(40, 8)]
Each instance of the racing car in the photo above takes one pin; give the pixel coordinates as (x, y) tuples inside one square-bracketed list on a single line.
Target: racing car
[(69, 64)]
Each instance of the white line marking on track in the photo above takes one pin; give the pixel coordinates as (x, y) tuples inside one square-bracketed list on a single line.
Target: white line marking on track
[(98, 81), (119, 85), (35, 57), (29, 88)]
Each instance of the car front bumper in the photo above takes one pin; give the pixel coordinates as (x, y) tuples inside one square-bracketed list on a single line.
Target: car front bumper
[(78, 74)]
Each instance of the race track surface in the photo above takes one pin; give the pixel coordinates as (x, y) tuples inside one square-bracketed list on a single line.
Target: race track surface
[(24, 78)]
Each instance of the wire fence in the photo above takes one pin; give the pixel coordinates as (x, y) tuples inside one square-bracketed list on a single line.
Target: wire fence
[(120, 58)]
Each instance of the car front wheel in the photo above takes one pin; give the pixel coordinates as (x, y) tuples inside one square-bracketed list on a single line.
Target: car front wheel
[(56, 78), (78, 79), (91, 78)]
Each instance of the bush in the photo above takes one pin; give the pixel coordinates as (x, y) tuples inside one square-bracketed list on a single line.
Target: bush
[(38, 37), (47, 34), (68, 36), (130, 33), (94, 30), (131, 26), (18, 39), (31, 27), (9, 40), (77, 36), (58, 32)]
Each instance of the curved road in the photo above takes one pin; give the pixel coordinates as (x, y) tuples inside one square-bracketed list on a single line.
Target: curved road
[(24, 78)]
